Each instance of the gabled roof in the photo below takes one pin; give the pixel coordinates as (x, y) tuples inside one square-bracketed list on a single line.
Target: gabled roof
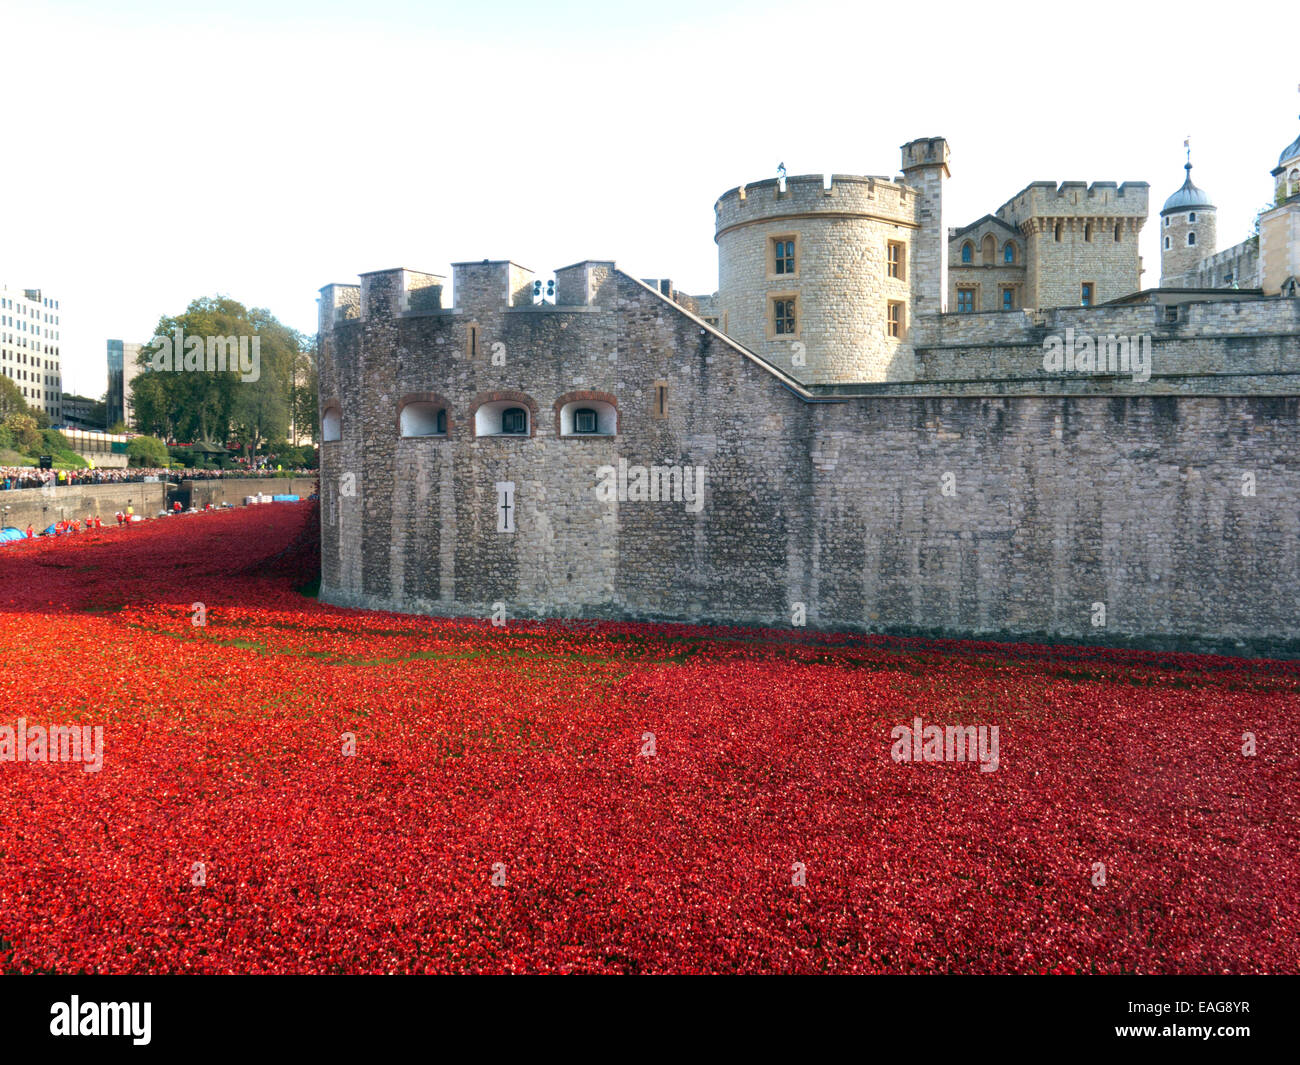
[(987, 218)]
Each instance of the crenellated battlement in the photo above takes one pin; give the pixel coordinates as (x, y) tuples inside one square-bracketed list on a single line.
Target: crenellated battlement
[(851, 195), (1077, 199)]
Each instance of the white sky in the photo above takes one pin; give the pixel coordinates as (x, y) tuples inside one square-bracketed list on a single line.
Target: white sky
[(156, 152)]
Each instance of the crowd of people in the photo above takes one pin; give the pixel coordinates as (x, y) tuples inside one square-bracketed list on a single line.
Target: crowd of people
[(12, 477)]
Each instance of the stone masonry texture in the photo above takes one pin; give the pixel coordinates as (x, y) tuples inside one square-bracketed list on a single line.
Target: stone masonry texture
[(973, 495)]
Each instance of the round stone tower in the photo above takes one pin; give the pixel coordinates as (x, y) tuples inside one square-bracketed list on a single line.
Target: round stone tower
[(822, 279), (1187, 233)]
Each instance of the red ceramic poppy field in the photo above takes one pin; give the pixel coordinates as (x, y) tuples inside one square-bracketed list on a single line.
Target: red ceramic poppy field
[(290, 787)]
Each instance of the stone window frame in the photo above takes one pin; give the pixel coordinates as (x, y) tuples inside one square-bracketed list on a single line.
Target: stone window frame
[(1119, 229), (974, 291), (967, 254), (772, 299), (437, 400), (659, 400), (326, 407), (522, 399), (1010, 259), (473, 336), (1008, 290), (770, 255), (1091, 300), (586, 395), (896, 269), (1191, 238), (1168, 244), (901, 324)]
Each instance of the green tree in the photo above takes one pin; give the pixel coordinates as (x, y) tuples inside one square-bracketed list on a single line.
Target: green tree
[(304, 412), (202, 405), (24, 432), (11, 398), (147, 451)]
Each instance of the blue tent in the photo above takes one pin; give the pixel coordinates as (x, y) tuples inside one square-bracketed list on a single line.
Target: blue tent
[(49, 531), (10, 533)]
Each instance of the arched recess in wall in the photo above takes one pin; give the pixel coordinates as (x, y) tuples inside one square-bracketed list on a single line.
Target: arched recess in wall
[(586, 413), (496, 414), (989, 252), (423, 414), (331, 422)]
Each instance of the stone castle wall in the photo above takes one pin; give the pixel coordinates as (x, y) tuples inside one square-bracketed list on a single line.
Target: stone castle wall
[(42, 508), (964, 514), (1237, 267)]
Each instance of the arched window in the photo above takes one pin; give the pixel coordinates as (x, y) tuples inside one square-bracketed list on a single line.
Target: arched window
[(1191, 216), (990, 249), (1295, 182), (331, 425), (1191, 240), (1167, 244), (1009, 252), (504, 414), (1087, 232), (423, 419), (967, 252), (1116, 232), (586, 414), (1058, 231)]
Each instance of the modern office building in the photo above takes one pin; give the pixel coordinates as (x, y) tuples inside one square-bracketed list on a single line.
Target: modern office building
[(122, 370), (29, 347)]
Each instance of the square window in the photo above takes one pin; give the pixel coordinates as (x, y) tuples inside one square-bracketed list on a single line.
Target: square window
[(894, 320), (514, 421), (783, 317), (584, 421), (894, 259), (783, 256)]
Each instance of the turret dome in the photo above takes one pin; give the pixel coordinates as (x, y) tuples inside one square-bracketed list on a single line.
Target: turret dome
[(1187, 197)]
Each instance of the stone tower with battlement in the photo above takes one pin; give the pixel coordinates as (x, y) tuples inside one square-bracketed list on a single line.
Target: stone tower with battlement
[(1081, 240), (823, 278)]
